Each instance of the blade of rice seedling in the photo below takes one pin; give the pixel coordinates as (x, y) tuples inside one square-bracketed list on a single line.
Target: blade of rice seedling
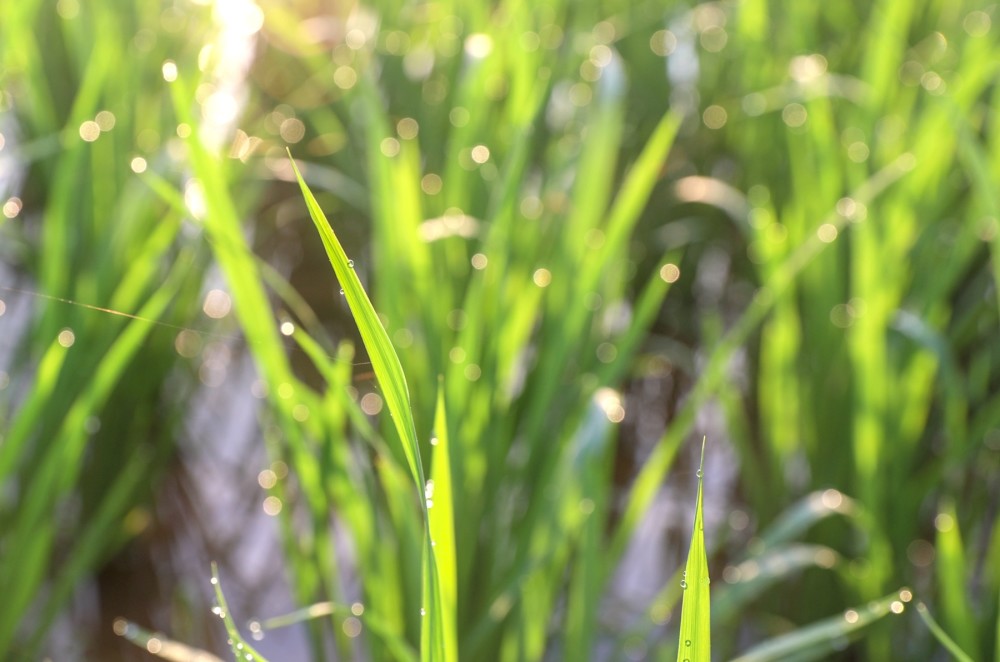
[(441, 521), (384, 360), (956, 607), (242, 650), (389, 372), (941, 635), (160, 646), (395, 645), (694, 644), (823, 636)]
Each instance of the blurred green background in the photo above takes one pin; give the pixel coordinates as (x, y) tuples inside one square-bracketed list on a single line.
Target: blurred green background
[(600, 229)]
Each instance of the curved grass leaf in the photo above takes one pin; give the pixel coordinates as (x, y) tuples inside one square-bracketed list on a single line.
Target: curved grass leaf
[(389, 373), (941, 635), (397, 647), (242, 650), (156, 644), (823, 636), (385, 362)]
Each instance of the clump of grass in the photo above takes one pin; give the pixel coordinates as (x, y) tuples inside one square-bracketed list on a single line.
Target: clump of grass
[(97, 218)]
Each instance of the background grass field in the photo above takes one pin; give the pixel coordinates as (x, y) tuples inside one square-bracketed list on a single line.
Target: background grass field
[(591, 233)]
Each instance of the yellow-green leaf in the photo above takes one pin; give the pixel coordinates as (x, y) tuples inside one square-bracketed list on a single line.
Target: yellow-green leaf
[(694, 643)]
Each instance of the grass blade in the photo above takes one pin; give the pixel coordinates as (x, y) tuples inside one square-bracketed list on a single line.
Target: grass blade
[(242, 650), (824, 635), (385, 362), (441, 522), (158, 645), (956, 607), (694, 644), (941, 635), (389, 372)]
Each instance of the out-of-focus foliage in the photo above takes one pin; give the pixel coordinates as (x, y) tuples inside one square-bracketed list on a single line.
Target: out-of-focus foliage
[(587, 228)]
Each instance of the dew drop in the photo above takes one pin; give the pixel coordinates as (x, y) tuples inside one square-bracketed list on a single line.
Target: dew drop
[(350, 263), (423, 612), (687, 642), (699, 473), (684, 584), (214, 580), (341, 291)]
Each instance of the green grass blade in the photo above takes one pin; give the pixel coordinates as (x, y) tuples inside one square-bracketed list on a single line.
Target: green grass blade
[(823, 635), (385, 362), (441, 521), (765, 570), (941, 635), (694, 644), (952, 572), (389, 373), (242, 650), (394, 644), (158, 645)]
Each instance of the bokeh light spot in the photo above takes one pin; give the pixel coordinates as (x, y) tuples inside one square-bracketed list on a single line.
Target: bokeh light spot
[(715, 117), (66, 338), (90, 131), (169, 71), (431, 184), (272, 506), (105, 120), (670, 273), (217, 304), (794, 115), (12, 207), (371, 403), (292, 130), (542, 277), (663, 42)]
